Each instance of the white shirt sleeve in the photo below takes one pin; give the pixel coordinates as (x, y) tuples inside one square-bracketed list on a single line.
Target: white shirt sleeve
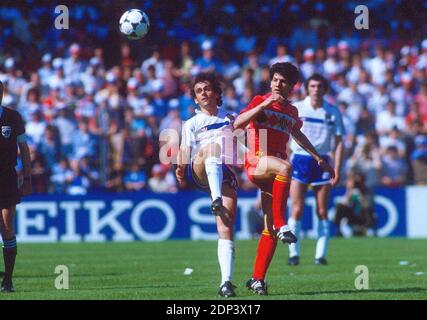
[(339, 128), (188, 138)]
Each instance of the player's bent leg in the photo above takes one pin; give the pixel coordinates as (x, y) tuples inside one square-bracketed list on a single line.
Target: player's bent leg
[(322, 198), (207, 167), (213, 167), (9, 247), (298, 192), (278, 170), (225, 242)]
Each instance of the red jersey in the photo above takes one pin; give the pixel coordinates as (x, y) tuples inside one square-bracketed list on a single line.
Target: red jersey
[(278, 122)]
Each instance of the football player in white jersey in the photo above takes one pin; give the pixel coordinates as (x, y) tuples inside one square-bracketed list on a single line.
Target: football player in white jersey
[(201, 161), (323, 126)]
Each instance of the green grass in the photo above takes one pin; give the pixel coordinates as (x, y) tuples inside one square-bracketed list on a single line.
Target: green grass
[(141, 270)]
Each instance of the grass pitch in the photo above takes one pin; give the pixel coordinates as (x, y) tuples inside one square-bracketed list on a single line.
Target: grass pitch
[(140, 270)]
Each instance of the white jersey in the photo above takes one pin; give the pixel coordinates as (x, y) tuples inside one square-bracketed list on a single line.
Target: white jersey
[(319, 125), (203, 129)]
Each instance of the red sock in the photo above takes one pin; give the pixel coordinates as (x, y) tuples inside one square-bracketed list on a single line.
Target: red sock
[(281, 186), (266, 247)]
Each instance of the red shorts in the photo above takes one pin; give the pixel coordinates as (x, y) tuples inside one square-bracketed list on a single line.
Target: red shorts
[(251, 162)]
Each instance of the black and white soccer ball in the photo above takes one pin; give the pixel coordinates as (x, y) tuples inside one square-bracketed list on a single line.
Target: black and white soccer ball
[(134, 24)]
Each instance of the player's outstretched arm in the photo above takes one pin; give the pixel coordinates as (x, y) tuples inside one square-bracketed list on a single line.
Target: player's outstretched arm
[(244, 118), (303, 141), (338, 157), (182, 158)]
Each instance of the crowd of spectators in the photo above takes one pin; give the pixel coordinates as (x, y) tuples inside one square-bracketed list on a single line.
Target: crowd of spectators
[(95, 103)]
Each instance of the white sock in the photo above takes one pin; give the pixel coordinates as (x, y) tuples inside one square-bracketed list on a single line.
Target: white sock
[(213, 167), (226, 259), (295, 226), (322, 238)]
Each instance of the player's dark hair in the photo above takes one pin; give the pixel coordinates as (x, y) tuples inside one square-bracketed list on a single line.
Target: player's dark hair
[(213, 80), (317, 77), (286, 70)]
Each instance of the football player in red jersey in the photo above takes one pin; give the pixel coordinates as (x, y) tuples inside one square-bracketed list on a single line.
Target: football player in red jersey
[(271, 120)]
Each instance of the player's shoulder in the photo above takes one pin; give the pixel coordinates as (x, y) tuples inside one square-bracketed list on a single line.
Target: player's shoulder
[(298, 104), (302, 105), (331, 108), (191, 121), (226, 114), (258, 99), (293, 108), (11, 113)]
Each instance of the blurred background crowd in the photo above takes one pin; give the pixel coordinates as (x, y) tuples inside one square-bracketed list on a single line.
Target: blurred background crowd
[(94, 102)]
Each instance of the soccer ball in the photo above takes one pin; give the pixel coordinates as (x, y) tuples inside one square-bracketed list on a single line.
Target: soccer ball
[(134, 24)]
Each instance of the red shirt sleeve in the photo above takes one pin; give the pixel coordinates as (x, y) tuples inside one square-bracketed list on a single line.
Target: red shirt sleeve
[(298, 124), (255, 101)]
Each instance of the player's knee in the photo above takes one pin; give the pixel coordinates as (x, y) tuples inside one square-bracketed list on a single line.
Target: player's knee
[(229, 192), (322, 213), (296, 211), (285, 169), (225, 231), (297, 206)]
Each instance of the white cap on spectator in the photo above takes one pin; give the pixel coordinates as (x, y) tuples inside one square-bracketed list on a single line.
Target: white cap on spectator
[(406, 78), (110, 77), (343, 45), (7, 100), (308, 52), (157, 168), (132, 83), (47, 57), (94, 61), (139, 107), (9, 63), (90, 90), (424, 44), (157, 85), (74, 48), (54, 85), (207, 45), (57, 63), (149, 110), (405, 50), (174, 104)]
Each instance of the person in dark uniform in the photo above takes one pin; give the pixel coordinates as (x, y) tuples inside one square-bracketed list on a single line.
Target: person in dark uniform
[(12, 135)]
